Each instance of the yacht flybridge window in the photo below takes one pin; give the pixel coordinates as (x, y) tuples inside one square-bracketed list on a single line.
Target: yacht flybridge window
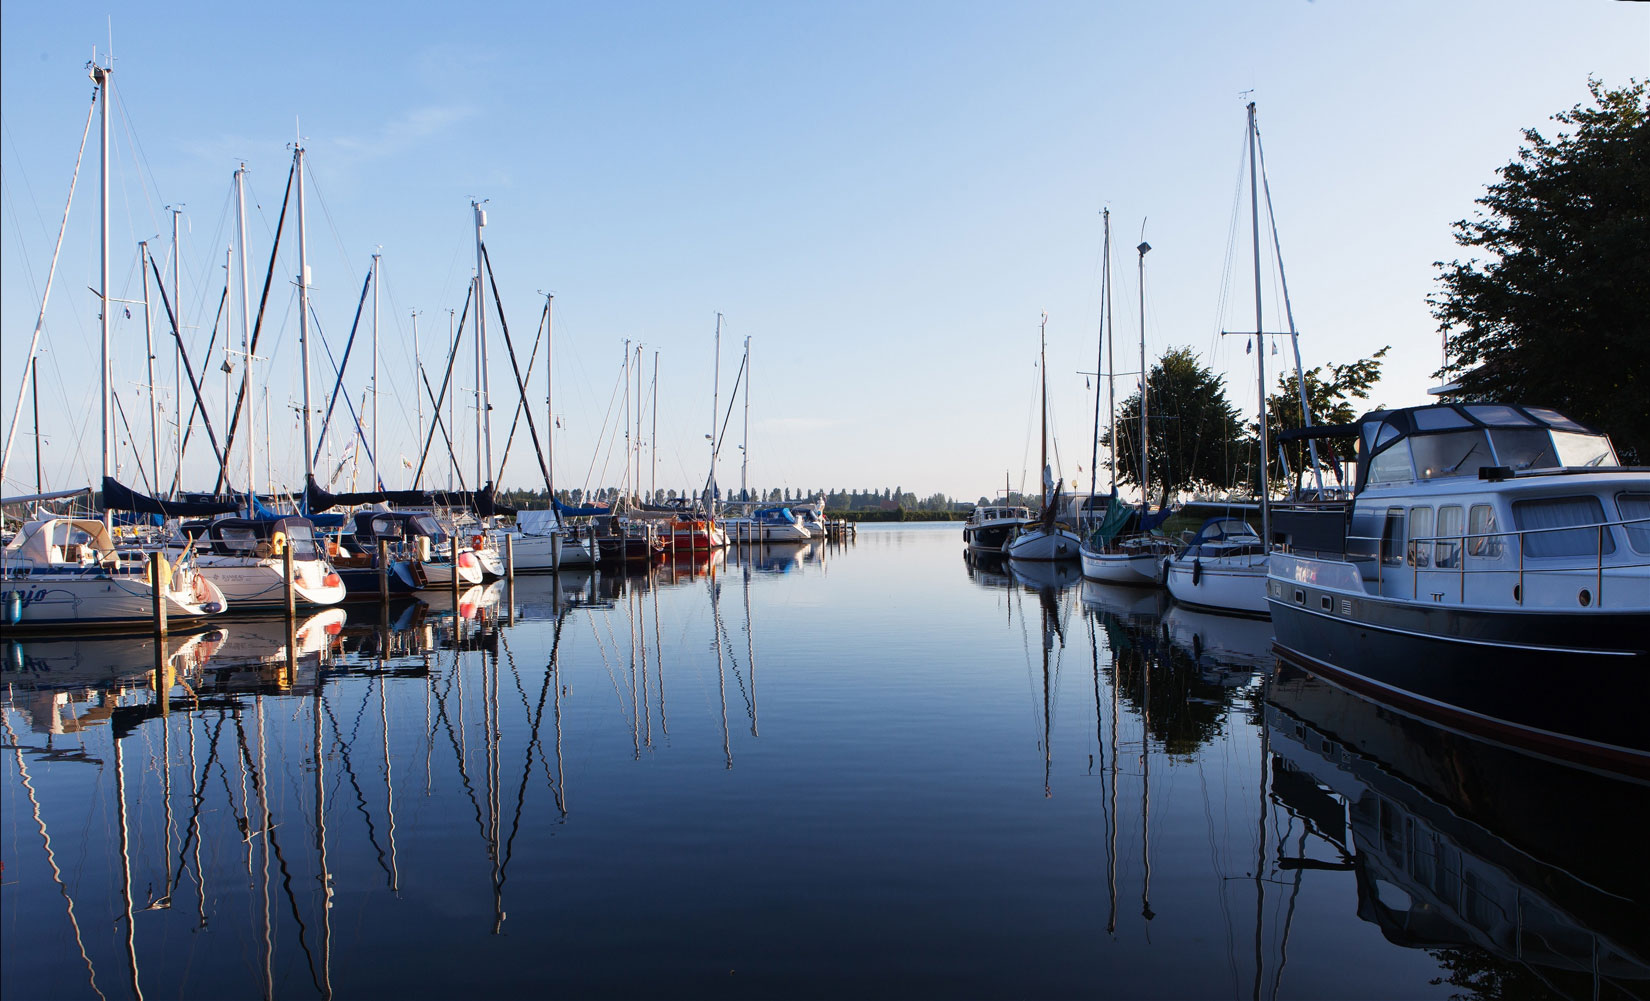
[(1580, 449), (1454, 453)]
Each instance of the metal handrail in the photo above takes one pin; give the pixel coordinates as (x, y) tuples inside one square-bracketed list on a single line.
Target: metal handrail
[(1461, 569)]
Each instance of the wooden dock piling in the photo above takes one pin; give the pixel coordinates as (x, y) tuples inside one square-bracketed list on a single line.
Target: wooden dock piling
[(158, 587), (288, 575)]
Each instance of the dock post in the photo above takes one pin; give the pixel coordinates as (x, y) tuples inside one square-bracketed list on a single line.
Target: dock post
[(455, 595), (287, 574), (383, 570), (158, 588), (510, 578)]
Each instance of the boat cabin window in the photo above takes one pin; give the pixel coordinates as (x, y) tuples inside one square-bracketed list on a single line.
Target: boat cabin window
[(1457, 453), (236, 540), (1524, 448), (1440, 419), (1392, 465), (1495, 413), (1420, 527), (1583, 449), (1392, 537), (1554, 418), (1539, 519), (1452, 524), (386, 528), (1635, 510), (1480, 528), (423, 524)]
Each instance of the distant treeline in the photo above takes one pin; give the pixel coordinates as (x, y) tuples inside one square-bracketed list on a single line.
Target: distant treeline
[(898, 514)]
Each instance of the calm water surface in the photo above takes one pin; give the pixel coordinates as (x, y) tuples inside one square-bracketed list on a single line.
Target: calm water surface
[(866, 770)]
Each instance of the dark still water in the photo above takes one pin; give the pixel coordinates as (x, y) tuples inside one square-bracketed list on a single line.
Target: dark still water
[(861, 770)]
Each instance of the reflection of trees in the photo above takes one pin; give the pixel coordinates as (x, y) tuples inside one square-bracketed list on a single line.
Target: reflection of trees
[(1476, 974), (1184, 711)]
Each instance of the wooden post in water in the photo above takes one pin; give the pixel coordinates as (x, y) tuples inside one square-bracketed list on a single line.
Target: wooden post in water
[(383, 570), (510, 578), (455, 596), (287, 575), (158, 588)]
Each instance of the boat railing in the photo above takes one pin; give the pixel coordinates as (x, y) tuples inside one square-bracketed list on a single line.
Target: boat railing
[(1433, 554)]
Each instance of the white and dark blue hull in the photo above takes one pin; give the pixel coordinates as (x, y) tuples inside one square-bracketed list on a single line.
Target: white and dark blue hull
[(1573, 683)]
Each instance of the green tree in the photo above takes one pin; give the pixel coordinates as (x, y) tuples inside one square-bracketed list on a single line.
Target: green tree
[(1554, 311), (1331, 396), (1198, 438)]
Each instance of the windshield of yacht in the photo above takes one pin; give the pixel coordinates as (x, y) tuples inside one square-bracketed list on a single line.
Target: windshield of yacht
[(301, 538), (1576, 449)]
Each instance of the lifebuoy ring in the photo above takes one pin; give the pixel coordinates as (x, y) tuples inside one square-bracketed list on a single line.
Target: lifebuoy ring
[(477, 541), (277, 544)]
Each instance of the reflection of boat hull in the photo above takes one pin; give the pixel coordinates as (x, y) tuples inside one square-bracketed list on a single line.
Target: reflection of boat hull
[(1039, 575), (1449, 849), (1125, 602), (1223, 640), (1233, 585), (97, 661), (1488, 673)]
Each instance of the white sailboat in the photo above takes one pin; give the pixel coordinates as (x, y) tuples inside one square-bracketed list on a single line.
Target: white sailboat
[(1224, 569), (1046, 540), (1135, 559), (65, 572)]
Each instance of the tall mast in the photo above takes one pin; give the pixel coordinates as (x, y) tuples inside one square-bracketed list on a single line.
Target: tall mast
[(303, 317), (1145, 378), (653, 440), (1099, 365), (1111, 371), (34, 395), (101, 74), (149, 349), (1260, 347), (636, 484), (246, 344), (628, 444), (377, 481), (481, 337), (177, 352), (745, 448), (476, 389), (1042, 365), (418, 364), (715, 405), (549, 405), (452, 398)]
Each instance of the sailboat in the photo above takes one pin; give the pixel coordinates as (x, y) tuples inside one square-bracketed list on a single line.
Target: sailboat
[(1107, 555), (65, 572), (1224, 568), (1045, 540)]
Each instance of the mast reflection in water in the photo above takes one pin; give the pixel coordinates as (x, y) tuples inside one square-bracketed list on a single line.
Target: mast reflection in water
[(779, 770)]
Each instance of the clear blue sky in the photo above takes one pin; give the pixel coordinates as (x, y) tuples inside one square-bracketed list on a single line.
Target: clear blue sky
[(883, 196)]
